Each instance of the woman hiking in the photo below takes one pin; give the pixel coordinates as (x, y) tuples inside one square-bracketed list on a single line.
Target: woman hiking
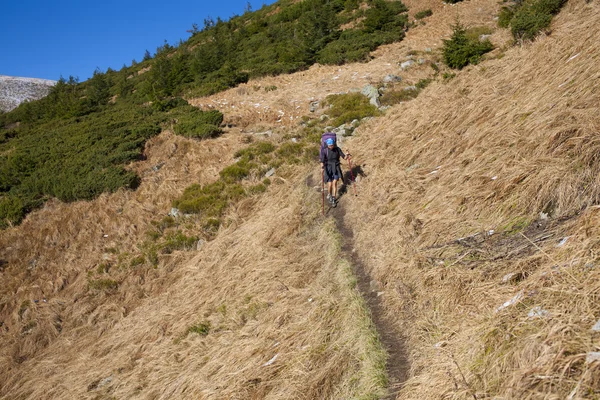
[(330, 163)]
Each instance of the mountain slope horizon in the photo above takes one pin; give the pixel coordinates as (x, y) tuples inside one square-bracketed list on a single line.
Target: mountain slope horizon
[(15, 90)]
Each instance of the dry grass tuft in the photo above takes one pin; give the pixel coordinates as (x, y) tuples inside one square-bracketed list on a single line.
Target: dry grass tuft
[(506, 141)]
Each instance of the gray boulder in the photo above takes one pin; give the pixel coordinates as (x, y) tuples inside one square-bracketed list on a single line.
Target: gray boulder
[(392, 78), (407, 64), (314, 106), (372, 93)]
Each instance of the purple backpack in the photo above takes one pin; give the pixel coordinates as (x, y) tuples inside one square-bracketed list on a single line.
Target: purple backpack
[(324, 137)]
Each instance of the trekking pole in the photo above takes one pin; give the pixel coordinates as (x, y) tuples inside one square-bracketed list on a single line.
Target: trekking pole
[(323, 190), (352, 176)]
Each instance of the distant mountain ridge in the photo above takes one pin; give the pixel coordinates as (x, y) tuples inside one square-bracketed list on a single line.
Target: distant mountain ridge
[(15, 90)]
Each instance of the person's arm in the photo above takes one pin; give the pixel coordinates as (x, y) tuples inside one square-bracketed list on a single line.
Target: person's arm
[(342, 153), (348, 155)]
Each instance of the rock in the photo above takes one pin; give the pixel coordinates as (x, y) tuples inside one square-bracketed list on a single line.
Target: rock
[(428, 50), (271, 361), (323, 117), (158, 166), (483, 38), (543, 216), (105, 382), (374, 286), (410, 88), (172, 149), (421, 61), (314, 106), (596, 327), (384, 108), (392, 78), (592, 356), (512, 277), (538, 312), (407, 64), (270, 173), (354, 123), (268, 133), (174, 212), (15, 90), (517, 298), (199, 245), (294, 140), (32, 264), (563, 241), (372, 93)]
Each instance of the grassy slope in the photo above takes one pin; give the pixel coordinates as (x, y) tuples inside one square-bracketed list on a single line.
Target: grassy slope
[(512, 138), (275, 254)]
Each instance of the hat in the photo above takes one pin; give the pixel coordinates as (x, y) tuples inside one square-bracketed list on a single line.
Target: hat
[(329, 142)]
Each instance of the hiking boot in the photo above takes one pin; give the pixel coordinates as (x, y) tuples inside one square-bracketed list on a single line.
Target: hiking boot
[(333, 200)]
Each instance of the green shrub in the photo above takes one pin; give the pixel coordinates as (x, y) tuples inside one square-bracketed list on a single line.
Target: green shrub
[(103, 285), (391, 97), (139, 260), (348, 107), (527, 18), (257, 189), (178, 241), (209, 200), (199, 124), (460, 51), (424, 14), (234, 172), (11, 211), (475, 32), (201, 329), (290, 149), (423, 83), (212, 225), (505, 16)]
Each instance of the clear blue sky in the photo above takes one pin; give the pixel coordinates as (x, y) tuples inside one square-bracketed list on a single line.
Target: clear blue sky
[(47, 39)]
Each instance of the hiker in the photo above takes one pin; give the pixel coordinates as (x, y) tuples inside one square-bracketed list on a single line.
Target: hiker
[(330, 163)]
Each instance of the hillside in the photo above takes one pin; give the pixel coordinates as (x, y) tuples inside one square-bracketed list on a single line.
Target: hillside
[(14, 90), (465, 268)]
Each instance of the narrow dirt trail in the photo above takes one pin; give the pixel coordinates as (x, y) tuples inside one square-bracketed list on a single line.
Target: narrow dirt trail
[(397, 365)]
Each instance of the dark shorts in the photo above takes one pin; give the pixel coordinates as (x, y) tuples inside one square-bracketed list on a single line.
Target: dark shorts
[(331, 174)]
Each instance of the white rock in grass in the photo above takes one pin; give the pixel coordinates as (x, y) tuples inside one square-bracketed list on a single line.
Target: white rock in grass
[(510, 277), (271, 361), (511, 302), (563, 241), (407, 64), (392, 78), (538, 312), (596, 327), (200, 244), (592, 356), (374, 286), (174, 212), (270, 173)]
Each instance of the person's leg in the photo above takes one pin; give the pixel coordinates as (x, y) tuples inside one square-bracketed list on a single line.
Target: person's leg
[(335, 182), (330, 188)]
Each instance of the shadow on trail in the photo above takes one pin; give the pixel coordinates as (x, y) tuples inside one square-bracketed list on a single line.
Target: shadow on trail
[(397, 364)]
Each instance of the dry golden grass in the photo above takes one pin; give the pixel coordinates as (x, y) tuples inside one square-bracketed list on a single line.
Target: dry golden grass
[(272, 284), (511, 137), (505, 141)]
